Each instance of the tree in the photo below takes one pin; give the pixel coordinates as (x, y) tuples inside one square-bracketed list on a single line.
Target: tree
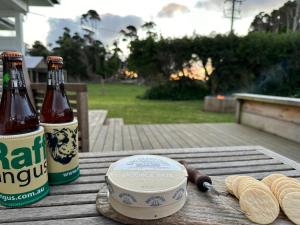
[(297, 17), (71, 49), (95, 53), (282, 20), (129, 33), (149, 26), (38, 49), (90, 24)]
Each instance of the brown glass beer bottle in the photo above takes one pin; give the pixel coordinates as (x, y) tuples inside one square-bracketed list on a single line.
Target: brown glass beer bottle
[(17, 114), (56, 107)]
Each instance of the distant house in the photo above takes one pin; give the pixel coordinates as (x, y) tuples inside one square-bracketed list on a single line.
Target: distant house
[(37, 68), (11, 21)]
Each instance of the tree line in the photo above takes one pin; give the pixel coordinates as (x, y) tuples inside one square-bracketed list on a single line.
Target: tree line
[(265, 61), (260, 62), (85, 57)]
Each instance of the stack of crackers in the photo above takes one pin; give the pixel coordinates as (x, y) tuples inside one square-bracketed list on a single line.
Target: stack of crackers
[(261, 200), (287, 192)]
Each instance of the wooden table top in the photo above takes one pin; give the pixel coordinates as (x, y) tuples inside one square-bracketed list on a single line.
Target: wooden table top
[(74, 204)]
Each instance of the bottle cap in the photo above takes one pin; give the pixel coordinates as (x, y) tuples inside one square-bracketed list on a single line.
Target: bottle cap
[(54, 59), (11, 54)]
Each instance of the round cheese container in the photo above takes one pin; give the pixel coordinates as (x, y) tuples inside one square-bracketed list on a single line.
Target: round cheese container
[(147, 186)]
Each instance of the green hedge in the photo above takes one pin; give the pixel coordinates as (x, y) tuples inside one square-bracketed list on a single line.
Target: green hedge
[(267, 63), (184, 89)]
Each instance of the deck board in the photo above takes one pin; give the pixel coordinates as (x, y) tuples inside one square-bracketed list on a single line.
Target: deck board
[(126, 138), (135, 138), (117, 136)]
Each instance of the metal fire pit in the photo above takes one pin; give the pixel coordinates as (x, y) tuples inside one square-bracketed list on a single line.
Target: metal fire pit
[(220, 103)]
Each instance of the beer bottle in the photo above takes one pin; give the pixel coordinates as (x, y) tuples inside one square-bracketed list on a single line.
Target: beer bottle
[(56, 107), (61, 129), (17, 115)]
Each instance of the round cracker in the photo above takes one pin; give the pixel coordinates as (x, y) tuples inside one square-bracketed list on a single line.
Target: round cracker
[(228, 183), (259, 205), (244, 181), (280, 184), (235, 184), (295, 180), (285, 192), (276, 181), (268, 180), (248, 183), (288, 184), (290, 205)]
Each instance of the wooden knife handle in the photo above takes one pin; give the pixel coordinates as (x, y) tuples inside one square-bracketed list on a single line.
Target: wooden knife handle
[(196, 177)]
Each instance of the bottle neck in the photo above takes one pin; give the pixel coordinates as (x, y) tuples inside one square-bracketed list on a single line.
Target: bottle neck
[(13, 77), (55, 77)]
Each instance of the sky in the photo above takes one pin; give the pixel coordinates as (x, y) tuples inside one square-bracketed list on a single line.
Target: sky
[(174, 18)]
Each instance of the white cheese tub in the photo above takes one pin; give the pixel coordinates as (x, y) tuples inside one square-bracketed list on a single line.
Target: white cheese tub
[(147, 186)]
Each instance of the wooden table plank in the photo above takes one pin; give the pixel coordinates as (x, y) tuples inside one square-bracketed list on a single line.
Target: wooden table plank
[(210, 172), (175, 156), (46, 213), (99, 220), (169, 151), (281, 158), (258, 175), (193, 160), (61, 200), (204, 164)]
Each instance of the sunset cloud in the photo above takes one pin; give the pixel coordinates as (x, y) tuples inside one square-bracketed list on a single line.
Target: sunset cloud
[(170, 9)]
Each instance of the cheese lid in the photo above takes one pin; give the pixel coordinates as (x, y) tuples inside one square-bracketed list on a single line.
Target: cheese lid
[(147, 181)]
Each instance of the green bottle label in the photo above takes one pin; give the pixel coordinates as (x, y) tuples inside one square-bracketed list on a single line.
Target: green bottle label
[(26, 198), (64, 177), (23, 168), (5, 80)]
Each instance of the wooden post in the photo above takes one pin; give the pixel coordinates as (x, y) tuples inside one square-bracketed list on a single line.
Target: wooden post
[(83, 119), (239, 103), (28, 83)]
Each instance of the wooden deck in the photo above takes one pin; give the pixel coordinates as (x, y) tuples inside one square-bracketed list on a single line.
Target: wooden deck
[(112, 135)]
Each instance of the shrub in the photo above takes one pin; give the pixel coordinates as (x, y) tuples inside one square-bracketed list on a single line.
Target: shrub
[(183, 89)]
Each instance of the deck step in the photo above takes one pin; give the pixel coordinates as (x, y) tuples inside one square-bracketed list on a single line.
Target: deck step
[(97, 116), (96, 121), (114, 122)]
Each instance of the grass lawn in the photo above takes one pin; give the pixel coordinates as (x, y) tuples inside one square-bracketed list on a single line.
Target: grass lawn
[(120, 101)]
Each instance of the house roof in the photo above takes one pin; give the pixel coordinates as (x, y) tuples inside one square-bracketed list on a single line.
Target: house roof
[(33, 62), (22, 5), (43, 2)]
